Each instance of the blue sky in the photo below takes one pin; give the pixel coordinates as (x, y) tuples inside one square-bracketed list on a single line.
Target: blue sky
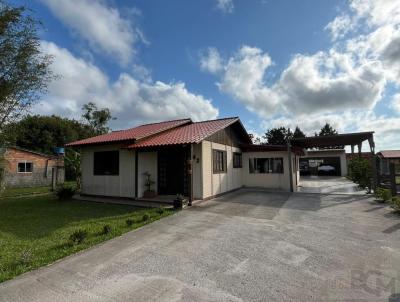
[(272, 63)]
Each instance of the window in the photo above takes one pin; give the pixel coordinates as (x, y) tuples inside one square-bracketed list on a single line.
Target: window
[(219, 161), (25, 167), (106, 163), (265, 165), (237, 160)]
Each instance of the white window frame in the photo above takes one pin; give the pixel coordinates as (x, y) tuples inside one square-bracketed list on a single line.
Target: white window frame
[(24, 162)]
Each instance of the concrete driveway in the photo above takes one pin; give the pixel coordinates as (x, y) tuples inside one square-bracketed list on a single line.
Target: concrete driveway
[(328, 185), (245, 246)]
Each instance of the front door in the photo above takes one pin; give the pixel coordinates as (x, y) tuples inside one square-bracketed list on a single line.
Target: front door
[(172, 176)]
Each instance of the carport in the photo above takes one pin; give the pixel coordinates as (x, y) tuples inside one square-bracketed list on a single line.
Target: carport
[(333, 142)]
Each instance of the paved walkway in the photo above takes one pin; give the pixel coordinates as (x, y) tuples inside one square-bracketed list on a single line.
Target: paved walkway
[(245, 246)]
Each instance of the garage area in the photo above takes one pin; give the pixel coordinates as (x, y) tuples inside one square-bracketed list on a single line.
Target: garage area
[(323, 167)]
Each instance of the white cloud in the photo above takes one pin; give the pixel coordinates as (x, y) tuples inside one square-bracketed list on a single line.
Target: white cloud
[(101, 25), (225, 6), (243, 79), (131, 100), (211, 61), (340, 26)]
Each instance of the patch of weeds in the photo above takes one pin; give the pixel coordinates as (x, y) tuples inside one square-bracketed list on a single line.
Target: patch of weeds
[(160, 211), (25, 258), (129, 222), (78, 236), (106, 229), (145, 217), (383, 195), (396, 204), (65, 192)]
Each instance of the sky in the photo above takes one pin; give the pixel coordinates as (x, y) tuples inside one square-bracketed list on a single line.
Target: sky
[(272, 63)]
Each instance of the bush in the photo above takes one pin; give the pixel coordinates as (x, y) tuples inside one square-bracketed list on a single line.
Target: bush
[(65, 192), (145, 217), (106, 229), (382, 194), (160, 211), (130, 222), (396, 204), (360, 172), (78, 236)]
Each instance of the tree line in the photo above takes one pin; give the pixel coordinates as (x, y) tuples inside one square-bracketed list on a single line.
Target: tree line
[(281, 135)]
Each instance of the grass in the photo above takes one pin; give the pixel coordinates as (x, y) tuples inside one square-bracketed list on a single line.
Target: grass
[(35, 231), (17, 192)]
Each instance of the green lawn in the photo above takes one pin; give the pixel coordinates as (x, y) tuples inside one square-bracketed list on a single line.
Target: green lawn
[(13, 192), (34, 231)]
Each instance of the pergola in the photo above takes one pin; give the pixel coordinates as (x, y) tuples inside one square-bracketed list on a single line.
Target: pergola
[(347, 139)]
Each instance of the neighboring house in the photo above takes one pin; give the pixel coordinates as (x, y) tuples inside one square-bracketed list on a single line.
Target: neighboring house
[(324, 162), (200, 160), (25, 168), (387, 157)]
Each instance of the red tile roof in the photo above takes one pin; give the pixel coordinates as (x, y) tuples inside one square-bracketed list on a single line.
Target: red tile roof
[(136, 133), (390, 153), (187, 134)]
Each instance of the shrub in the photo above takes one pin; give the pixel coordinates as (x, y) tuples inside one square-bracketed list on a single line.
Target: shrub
[(386, 195), (130, 222), (78, 236), (65, 192), (145, 217), (160, 211), (396, 204), (360, 172), (106, 229)]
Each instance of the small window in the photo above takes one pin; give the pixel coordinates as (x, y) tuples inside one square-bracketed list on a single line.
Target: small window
[(237, 160), (265, 165), (25, 167), (106, 163), (219, 161)]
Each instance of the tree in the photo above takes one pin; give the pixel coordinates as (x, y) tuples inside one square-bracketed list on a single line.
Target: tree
[(278, 136), (327, 130), (24, 69), (96, 118), (298, 133), (43, 133)]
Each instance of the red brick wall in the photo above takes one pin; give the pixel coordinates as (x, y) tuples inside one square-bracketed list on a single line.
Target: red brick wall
[(42, 169)]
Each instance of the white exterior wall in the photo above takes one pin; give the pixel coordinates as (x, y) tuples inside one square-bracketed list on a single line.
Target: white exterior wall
[(147, 162), (214, 184), (122, 185), (269, 180)]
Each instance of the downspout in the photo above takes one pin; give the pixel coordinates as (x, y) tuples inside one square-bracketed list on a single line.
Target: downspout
[(290, 165)]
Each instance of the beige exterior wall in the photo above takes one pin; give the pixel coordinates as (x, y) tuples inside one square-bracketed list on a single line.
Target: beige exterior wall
[(214, 184), (267, 180), (147, 162), (197, 171), (122, 185)]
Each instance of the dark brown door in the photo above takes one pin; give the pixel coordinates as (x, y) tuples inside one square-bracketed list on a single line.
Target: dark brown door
[(171, 171)]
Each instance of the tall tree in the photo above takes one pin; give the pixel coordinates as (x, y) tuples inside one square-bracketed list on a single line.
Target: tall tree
[(96, 118), (298, 133), (278, 136), (327, 130), (24, 69)]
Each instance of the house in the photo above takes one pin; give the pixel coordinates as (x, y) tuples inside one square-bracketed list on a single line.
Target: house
[(198, 159), (26, 168), (387, 157)]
